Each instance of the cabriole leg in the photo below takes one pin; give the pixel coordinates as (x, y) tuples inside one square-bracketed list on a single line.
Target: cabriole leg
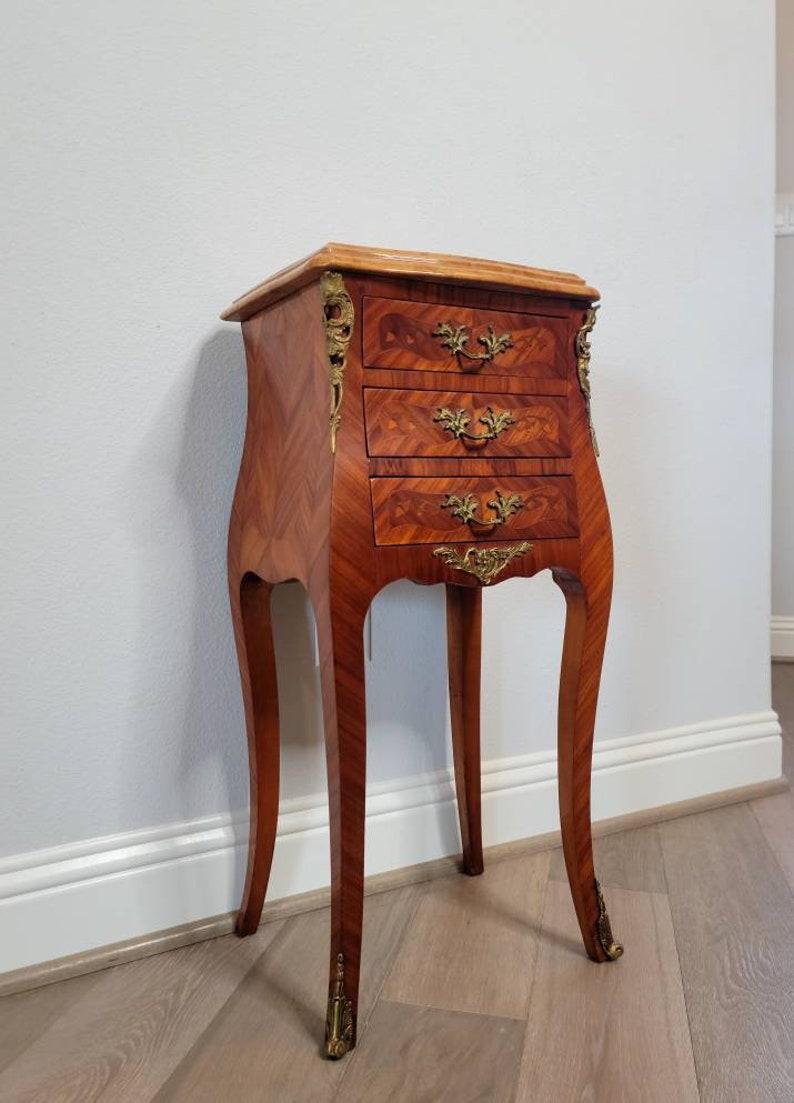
[(586, 619), (250, 599), (464, 624), (340, 635)]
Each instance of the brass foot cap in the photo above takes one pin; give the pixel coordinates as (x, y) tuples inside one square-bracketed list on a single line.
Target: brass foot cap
[(339, 1023), (336, 1048), (612, 949)]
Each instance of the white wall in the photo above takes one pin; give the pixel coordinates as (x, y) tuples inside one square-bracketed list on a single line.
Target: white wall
[(785, 95), (783, 465), (783, 512), (165, 157)]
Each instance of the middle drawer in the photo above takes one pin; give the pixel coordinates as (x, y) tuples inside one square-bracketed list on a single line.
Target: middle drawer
[(423, 510), (464, 423)]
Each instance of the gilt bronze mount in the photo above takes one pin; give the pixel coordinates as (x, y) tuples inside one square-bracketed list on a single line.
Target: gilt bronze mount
[(339, 1020), (484, 563), (583, 366), (611, 948), (338, 313)]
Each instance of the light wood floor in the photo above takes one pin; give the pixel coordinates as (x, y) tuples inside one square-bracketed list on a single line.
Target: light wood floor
[(474, 989)]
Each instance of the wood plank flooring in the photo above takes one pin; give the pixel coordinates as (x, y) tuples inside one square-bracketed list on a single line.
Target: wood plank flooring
[(464, 931), (626, 1027), (734, 918), (474, 989)]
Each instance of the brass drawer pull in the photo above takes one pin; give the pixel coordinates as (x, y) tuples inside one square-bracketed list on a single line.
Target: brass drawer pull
[(457, 422), (484, 563), (456, 338), (466, 507)]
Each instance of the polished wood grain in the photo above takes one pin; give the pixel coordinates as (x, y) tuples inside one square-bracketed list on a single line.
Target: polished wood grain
[(491, 385), (304, 512), (464, 640), (433, 267), (465, 971), (409, 465), (626, 1029), (588, 598), (269, 542), (406, 423), (279, 531), (260, 693), (734, 918), (400, 334), (413, 511)]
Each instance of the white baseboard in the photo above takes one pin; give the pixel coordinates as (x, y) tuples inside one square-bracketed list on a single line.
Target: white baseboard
[(783, 637), (76, 897)]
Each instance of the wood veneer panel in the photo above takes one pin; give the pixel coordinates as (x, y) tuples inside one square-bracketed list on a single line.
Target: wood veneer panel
[(400, 334), (608, 1034), (423, 1055), (441, 381), (405, 423), (485, 963), (464, 662), (389, 465), (304, 512), (411, 511), (282, 502), (734, 923)]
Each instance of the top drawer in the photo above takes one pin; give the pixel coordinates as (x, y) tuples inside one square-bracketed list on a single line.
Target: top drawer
[(432, 337)]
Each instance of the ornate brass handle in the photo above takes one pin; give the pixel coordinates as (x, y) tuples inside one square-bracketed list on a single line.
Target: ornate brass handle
[(457, 422), (456, 338), (466, 509), (484, 563)]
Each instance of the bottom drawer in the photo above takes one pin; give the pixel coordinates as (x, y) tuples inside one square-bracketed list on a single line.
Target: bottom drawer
[(444, 510)]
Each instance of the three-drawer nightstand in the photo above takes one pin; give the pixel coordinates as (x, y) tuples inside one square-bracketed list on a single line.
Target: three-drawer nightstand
[(418, 416)]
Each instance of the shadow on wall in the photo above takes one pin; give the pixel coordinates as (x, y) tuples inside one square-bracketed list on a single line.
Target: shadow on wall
[(211, 752), (186, 708), (186, 698)]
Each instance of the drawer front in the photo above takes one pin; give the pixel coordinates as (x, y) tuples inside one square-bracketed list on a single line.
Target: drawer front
[(433, 337), (463, 424), (447, 510)]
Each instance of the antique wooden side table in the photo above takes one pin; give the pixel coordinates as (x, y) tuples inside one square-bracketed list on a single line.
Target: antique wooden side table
[(418, 416)]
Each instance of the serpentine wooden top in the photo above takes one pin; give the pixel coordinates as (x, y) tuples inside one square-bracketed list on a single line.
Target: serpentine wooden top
[(431, 267)]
